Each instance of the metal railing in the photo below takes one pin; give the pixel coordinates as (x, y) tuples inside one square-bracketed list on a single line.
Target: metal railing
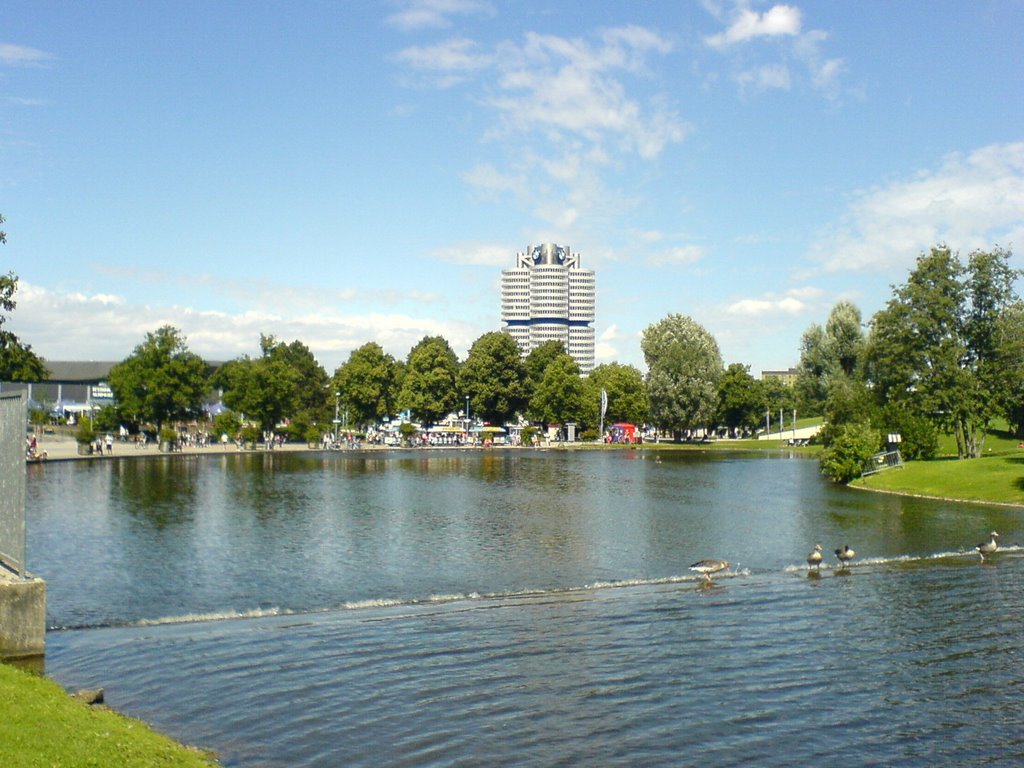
[(881, 461), (13, 422)]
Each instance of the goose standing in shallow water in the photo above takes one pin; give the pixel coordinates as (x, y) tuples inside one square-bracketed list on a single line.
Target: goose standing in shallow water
[(989, 547), (814, 559), (707, 567), (845, 555)]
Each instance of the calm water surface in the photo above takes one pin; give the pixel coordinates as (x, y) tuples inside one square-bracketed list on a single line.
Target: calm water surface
[(530, 608)]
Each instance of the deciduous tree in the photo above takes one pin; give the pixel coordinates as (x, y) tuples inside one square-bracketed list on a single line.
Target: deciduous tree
[(367, 384), (161, 381), (493, 376), (627, 394), (559, 397), (936, 346), (684, 367), (740, 399), (428, 390), (17, 360)]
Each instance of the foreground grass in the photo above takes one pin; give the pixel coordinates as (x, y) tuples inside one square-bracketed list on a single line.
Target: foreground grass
[(996, 478), (42, 727)]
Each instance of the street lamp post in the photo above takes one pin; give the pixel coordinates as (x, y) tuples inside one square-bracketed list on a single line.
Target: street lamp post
[(337, 421)]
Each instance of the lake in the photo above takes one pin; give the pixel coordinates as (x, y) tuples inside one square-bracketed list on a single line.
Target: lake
[(435, 608)]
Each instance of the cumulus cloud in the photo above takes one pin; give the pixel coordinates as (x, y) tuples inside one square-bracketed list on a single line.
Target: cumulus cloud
[(433, 14), (62, 326), (783, 25), (969, 201), (747, 25), (793, 302), (606, 345)]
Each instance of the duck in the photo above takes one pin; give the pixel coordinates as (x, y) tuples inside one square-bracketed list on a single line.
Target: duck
[(845, 555), (707, 567), (988, 547), (814, 559)]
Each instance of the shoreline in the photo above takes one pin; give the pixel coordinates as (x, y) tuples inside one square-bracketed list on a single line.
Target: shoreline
[(64, 448)]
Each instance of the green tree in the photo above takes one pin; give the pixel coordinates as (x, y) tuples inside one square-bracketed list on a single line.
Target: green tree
[(493, 376), (17, 360), (827, 353), (428, 390), (849, 401), (535, 363), (560, 395), (367, 384), (161, 381), (311, 401), (935, 347), (627, 395), (740, 400), (684, 367), (852, 447), (1010, 343), (266, 389)]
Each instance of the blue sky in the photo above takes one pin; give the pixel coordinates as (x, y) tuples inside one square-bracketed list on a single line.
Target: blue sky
[(341, 172)]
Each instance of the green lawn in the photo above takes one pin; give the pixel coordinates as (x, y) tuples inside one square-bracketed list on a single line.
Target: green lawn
[(998, 477), (42, 727)]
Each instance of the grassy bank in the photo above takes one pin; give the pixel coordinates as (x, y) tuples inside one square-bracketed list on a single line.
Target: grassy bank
[(996, 478), (42, 727)]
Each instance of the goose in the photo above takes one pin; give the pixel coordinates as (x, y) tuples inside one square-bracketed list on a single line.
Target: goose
[(814, 559), (707, 567), (989, 547), (845, 555)]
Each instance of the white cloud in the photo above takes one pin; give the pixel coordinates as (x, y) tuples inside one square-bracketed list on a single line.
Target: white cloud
[(22, 55), (426, 14), (768, 77), (792, 302), (783, 25), (780, 20), (565, 88), (448, 63), (970, 201), (487, 179), (63, 326), (684, 254), (606, 350), (483, 254)]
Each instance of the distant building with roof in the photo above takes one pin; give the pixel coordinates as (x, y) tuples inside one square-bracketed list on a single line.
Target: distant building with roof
[(71, 383), (73, 386), (549, 296), (787, 377)]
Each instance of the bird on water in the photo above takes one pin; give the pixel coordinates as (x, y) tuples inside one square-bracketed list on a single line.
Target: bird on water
[(988, 547), (845, 555), (707, 567), (814, 559)]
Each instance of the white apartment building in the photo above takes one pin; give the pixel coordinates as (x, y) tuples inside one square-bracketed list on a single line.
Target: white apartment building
[(549, 296)]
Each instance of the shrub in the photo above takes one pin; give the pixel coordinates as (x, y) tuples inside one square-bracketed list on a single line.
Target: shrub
[(851, 447), (920, 439), (85, 434)]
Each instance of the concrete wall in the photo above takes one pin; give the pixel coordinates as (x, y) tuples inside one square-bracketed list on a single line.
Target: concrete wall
[(22, 617)]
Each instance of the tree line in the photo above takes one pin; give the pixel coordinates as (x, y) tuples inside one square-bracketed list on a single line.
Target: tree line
[(945, 355)]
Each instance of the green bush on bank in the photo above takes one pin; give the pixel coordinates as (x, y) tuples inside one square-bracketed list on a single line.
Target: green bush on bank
[(42, 727)]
